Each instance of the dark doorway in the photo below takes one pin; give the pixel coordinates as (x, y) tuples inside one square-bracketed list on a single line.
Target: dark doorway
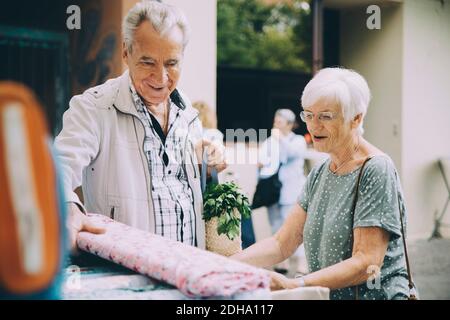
[(38, 59), (34, 50), (248, 98)]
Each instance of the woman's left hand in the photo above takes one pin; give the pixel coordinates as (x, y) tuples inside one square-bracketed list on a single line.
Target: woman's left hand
[(280, 282)]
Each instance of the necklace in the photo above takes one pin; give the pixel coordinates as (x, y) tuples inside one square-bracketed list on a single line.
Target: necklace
[(347, 160)]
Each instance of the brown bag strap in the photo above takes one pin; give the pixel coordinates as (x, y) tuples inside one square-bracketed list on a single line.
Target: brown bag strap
[(355, 200), (411, 285)]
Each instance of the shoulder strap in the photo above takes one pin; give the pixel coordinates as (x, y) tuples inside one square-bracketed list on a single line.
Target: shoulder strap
[(355, 200), (411, 284)]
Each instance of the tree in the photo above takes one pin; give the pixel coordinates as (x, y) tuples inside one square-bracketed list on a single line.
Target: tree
[(277, 36)]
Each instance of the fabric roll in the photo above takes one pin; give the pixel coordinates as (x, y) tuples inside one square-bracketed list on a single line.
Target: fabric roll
[(195, 272)]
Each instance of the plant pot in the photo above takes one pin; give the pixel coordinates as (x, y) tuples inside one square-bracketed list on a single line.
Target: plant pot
[(221, 244)]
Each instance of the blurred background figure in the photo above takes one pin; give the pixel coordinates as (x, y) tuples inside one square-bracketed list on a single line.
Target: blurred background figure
[(209, 121), (284, 152), (32, 211)]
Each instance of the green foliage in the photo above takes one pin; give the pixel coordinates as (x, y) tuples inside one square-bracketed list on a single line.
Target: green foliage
[(251, 33), (220, 200)]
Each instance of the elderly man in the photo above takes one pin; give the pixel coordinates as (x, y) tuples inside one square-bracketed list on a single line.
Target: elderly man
[(134, 142)]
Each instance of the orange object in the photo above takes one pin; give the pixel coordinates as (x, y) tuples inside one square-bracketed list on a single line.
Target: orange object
[(30, 230), (307, 137)]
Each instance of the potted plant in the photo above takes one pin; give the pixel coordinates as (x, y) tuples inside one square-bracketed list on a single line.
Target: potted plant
[(224, 205)]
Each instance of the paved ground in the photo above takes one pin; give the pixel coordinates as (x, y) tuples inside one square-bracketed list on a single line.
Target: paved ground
[(430, 263)]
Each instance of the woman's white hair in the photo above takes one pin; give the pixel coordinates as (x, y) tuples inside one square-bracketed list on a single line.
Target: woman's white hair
[(163, 18), (286, 114), (345, 87)]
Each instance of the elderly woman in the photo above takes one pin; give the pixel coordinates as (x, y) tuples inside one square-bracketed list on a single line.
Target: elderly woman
[(348, 214)]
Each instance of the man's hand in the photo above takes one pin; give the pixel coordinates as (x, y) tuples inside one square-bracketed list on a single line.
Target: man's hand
[(216, 155), (77, 221)]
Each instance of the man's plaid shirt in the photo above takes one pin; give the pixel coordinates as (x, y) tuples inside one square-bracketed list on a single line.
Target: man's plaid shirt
[(171, 194)]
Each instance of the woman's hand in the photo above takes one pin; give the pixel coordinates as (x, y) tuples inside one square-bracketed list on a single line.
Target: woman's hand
[(280, 282)]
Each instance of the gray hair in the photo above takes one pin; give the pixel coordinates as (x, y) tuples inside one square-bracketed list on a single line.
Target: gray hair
[(345, 87), (163, 18), (286, 114)]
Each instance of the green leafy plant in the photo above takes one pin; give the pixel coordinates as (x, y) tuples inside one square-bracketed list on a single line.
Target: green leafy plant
[(220, 200), (274, 35)]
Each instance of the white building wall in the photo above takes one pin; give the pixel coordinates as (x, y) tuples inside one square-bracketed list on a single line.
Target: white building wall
[(198, 79), (376, 54), (426, 110)]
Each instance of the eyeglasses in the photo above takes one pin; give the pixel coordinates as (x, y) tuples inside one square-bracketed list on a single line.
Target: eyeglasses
[(325, 116)]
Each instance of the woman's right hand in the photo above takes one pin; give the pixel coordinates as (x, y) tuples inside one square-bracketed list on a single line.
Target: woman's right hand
[(76, 222)]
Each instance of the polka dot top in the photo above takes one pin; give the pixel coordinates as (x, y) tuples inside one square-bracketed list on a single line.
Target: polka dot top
[(328, 198)]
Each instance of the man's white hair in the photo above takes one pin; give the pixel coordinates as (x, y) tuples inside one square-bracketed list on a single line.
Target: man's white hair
[(163, 18), (345, 87)]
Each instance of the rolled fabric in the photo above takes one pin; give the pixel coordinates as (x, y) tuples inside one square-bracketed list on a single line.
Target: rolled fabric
[(195, 272)]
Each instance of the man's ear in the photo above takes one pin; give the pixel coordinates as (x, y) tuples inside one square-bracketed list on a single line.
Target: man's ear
[(124, 52), (357, 120)]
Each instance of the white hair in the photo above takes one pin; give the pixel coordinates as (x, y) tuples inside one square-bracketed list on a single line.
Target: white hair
[(163, 18), (286, 114), (345, 87)]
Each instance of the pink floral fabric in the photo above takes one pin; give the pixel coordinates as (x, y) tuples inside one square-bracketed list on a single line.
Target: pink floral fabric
[(195, 272)]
